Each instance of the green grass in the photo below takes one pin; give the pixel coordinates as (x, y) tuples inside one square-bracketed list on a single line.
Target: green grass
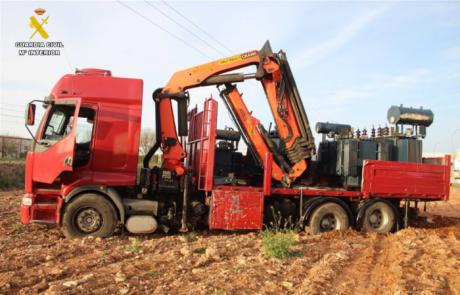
[(13, 161), (17, 228), (134, 247), (237, 268), (11, 181), (200, 250), (282, 224), (6, 183), (153, 273), (11, 174), (277, 244), (190, 236), (455, 184), (444, 283)]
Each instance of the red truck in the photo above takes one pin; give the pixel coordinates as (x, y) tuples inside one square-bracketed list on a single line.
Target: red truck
[(82, 171)]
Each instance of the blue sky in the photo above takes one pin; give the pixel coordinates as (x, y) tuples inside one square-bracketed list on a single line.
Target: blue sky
[(351, 60)]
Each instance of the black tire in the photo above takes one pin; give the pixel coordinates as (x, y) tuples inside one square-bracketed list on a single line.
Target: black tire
[(89, 215), (378, 217), (328, 217)]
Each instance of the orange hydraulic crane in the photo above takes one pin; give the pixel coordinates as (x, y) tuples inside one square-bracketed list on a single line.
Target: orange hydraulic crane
[(275, 75)]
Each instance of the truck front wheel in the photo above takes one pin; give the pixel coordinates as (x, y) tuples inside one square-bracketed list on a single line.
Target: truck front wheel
[(89, 215), (328, 217)]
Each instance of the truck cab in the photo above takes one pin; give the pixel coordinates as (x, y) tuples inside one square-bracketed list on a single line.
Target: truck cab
[(88, 140)]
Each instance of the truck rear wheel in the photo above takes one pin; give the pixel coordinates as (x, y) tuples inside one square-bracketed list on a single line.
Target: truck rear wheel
[(328, 217), (89, 215), (378, 217)]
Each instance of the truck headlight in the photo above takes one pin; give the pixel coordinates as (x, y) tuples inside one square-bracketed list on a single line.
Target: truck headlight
[(26, 201)]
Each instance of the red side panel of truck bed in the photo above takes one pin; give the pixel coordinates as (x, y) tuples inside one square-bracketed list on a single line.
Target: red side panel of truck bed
[(406, 180), (236, 209)]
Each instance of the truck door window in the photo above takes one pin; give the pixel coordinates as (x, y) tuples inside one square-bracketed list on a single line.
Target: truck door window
[(84, 126), (59, 122), (83, 136)]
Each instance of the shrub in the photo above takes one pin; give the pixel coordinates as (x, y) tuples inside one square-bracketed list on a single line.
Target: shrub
[(280, 223), (11, 174), (277, 244)]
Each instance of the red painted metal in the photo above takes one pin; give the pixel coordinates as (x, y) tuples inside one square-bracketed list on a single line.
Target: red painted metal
[(118, 105), (114, 156), (44, 207), (55, 157), (236, 209), (202, 144), (29, 169), (208, 145), (59, 205), (268, 161), (194, 144), (24, 214), (115, 145), (24, 210), (239, 188), (406, 180), (447, 171), (316, 191)]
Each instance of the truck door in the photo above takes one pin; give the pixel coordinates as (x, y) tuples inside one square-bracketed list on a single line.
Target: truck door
[(54, 152)]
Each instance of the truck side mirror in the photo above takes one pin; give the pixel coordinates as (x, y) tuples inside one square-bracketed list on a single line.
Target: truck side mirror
[(30, 114)]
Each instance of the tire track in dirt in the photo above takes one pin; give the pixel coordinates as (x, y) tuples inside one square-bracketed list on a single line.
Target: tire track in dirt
[(445, 277), (321, 275), (412, 249), (374, 267), (428, 262), (355, 277), (385, 271), (310, 255)]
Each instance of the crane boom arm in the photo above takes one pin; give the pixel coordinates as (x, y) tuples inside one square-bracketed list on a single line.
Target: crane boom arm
[(275, 75)]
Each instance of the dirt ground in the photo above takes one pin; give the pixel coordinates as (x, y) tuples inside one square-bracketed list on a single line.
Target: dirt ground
[(422, 259)]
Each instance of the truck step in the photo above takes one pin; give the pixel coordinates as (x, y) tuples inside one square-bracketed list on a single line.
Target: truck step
[(45, 191), (43, 221), (46, 205)]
